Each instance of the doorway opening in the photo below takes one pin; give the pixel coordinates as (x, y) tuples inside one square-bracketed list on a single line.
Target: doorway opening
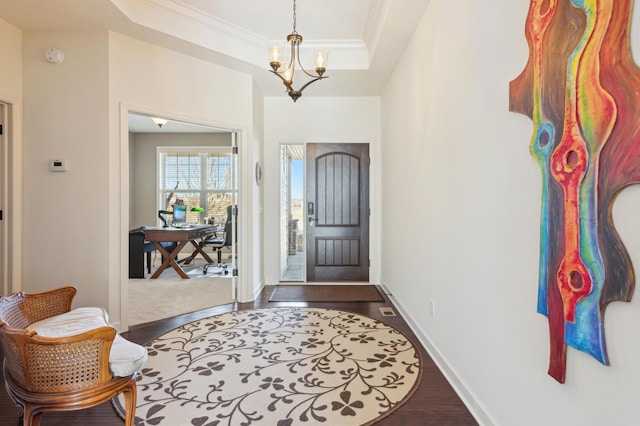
[(292, 220), (324, 220), (195, 167)]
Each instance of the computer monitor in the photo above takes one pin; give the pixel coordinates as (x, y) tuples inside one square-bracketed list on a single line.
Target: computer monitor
[(179, 213)]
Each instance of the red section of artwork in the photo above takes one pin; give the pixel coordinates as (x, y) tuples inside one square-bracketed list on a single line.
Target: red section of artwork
[(557, 346), (568, 167)]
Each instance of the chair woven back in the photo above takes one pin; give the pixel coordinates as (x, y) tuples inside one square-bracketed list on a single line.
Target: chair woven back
[(21, 310)]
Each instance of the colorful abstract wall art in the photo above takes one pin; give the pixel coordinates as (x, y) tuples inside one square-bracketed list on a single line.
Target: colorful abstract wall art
[(581, 89)]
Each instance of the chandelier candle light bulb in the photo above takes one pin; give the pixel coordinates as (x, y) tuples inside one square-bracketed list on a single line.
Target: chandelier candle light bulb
[(288, 75), (276, 57), (320, 59)]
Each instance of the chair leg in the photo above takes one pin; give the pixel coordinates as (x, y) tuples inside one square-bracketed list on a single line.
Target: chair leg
[(31, 417), (149, 262), (130, 403), (219, 265)]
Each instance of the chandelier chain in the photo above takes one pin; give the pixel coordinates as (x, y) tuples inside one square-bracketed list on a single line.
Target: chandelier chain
[(294, 16)]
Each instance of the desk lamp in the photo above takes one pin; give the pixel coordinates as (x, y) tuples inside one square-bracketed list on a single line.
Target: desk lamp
[(198, 210)]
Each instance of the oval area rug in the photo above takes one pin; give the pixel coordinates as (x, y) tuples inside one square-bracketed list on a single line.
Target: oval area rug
[(277, 366)]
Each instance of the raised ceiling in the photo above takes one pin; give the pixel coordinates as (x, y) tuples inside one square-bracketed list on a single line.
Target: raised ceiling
[(365, 38)]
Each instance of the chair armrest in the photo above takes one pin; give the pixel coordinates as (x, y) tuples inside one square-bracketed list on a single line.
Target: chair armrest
[(58, 364), (21, 309)]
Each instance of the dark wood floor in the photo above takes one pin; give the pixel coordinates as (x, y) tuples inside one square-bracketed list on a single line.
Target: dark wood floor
[(434, 402)]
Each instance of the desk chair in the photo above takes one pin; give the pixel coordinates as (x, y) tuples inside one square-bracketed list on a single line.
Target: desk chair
[(138, 249), (232, 215), (218, 243), (230, 212)]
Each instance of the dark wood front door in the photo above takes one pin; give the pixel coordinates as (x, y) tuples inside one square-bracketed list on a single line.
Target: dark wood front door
[(337, 212)]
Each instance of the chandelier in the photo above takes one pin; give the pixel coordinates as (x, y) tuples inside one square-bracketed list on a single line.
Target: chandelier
[(287, 74)]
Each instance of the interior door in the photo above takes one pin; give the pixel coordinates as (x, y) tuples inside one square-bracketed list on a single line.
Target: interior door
[(234, 216), (4, 190), (337, 212)]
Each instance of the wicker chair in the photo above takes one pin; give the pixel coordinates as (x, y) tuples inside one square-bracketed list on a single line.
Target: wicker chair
[(57, 373)]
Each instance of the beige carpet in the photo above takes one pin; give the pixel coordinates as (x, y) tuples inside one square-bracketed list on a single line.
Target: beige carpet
[(279, 366), (169, 295)]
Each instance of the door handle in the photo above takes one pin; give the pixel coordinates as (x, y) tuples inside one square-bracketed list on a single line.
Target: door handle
[(310, 212)]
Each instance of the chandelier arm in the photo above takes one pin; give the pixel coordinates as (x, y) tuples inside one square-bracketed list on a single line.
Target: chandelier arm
[(309, 82), (300, 64), (292, 60)]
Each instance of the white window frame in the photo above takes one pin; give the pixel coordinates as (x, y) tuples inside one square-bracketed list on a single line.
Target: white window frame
[(163, 192)]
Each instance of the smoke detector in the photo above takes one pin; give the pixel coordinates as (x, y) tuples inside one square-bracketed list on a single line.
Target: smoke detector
[(53, 55)]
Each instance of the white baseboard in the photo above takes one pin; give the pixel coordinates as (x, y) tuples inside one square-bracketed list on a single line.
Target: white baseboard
[(466, 395), (258, 290)]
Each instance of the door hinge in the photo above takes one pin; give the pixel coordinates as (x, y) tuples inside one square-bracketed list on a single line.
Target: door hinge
[(0, 214), (235, 150), (1, 127), (235, 272)]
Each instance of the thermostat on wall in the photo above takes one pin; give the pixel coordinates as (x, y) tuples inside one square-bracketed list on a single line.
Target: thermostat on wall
[(58, 165)]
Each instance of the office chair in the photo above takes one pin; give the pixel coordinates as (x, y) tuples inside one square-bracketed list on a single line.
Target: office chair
[(218, 243), (230, 212), (139, 248)]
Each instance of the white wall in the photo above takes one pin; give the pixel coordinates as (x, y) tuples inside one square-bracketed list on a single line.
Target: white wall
[(324, 119), (66, 214), (11, 73), (257, 268), (466, 229)]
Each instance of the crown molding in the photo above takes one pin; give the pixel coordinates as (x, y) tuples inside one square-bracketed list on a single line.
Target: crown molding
[(184, 22), (378, 15)]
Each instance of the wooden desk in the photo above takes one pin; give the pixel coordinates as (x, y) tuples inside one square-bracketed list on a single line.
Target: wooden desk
[(180, 236)]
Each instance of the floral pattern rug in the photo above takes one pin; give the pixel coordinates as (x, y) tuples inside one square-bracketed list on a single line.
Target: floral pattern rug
[(280, 366)]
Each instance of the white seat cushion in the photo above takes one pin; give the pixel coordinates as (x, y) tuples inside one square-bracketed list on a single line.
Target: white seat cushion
[(125, 357)]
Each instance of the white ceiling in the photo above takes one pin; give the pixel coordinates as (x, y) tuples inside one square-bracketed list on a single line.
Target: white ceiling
[(365, 38)]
